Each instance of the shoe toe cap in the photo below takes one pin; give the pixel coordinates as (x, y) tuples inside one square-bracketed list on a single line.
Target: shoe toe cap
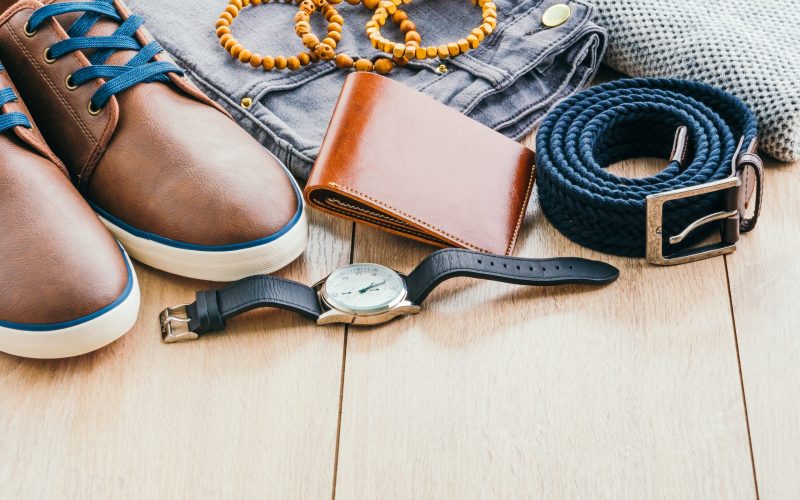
[(198, 189), (59, 264)]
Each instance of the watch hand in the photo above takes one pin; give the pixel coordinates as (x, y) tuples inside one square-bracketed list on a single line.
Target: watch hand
[(370, 286)]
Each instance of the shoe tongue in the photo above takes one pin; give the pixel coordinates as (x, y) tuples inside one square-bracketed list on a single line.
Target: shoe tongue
[(31, 137)]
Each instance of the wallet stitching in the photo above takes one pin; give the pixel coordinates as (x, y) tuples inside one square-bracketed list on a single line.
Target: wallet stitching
[(366, 219), (373, 213), (363, 218), (418, 221), (521, 217), (391, 222)]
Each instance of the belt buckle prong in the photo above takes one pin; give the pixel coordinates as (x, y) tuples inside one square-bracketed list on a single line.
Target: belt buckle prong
[(175, 324)]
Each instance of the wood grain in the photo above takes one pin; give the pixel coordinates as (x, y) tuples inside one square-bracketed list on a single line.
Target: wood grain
[(496, 391), (248, 414), (765, 288), (634, 390)]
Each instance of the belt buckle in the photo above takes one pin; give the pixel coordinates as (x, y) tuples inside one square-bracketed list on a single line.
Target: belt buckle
[(173, 321), (655, 222)]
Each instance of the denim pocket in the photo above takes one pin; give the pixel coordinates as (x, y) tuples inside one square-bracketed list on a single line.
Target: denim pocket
[(523, 68), (507, 83)]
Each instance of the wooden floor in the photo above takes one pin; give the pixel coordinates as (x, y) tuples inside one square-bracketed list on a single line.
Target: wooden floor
[(678, 382)]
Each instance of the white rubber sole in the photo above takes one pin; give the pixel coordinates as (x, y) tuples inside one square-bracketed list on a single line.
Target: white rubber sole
[(78, 339), (225, 265)]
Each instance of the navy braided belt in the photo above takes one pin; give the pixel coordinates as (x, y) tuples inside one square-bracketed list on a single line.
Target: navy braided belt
[(713, 171)]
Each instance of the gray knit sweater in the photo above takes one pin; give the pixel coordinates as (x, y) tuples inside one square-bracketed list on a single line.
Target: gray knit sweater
[(749, 47)]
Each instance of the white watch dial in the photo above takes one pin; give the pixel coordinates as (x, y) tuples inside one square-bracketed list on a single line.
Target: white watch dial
[(364, 289)]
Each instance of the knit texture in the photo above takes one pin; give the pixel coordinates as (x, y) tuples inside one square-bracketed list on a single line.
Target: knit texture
[(751, 48), (631, 118)]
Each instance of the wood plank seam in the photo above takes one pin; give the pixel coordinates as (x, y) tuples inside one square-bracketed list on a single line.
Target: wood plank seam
[(741, 378), (432, 400), (341, 379), (339, 419)]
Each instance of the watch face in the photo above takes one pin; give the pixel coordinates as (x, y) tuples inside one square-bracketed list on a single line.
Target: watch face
[(364, 289)]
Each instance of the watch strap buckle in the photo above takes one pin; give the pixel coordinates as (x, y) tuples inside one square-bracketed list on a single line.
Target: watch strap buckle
[(175, 324)]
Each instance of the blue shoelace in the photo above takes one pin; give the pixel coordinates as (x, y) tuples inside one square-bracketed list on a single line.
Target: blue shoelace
[(10, 120), (140, 69)]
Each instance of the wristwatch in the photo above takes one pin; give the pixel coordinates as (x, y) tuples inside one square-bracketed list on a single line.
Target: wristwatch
[(369, 294)]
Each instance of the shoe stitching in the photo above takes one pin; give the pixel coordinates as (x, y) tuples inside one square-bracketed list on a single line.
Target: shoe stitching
[(53, 87)]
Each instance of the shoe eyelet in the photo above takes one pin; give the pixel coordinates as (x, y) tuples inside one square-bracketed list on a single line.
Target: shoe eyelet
[(68, 83), (92, 111), (47, 57), (28, 32)]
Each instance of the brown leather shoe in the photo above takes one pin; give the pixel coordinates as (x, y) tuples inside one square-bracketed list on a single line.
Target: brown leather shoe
[(181, 186), (67, 286)]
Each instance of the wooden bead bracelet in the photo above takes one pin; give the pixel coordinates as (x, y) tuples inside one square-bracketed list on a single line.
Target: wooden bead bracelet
[(325, 49), (411, 49), (237, 50)]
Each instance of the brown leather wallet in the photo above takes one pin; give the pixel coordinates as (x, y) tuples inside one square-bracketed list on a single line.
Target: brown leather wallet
[(398, 160)]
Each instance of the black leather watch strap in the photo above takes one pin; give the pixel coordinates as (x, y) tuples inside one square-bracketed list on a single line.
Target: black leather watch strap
[(453, 262), (212, 307)]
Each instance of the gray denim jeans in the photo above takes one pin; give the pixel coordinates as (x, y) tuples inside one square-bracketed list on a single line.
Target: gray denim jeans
[(508, 83)]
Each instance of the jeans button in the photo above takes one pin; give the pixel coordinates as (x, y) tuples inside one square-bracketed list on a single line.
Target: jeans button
[(556, 15)]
